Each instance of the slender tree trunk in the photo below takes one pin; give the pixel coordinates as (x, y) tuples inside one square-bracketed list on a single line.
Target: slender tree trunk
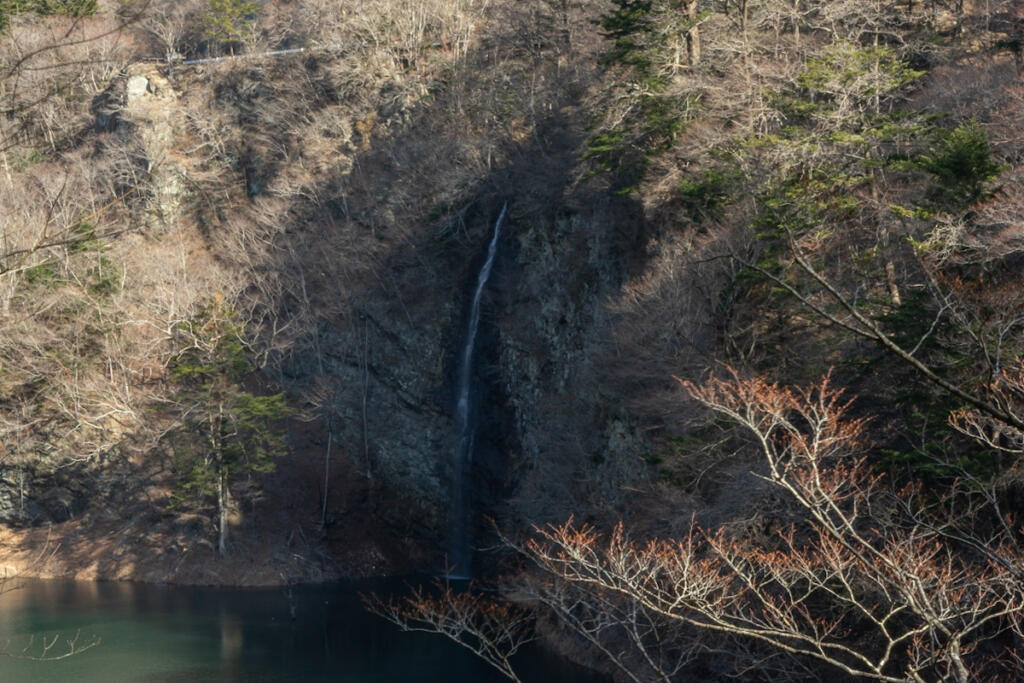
[(328, 419), (748, 68), (890, 266), (327, 473), (566, 34), (366, 390), (217, 443), (222, 510), (693, 35), (21, 489), (876, 100), (796, 23)]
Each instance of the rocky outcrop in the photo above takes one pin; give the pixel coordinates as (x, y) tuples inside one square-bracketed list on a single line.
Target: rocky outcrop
[(393, 419), (153, 121), (557, 331)]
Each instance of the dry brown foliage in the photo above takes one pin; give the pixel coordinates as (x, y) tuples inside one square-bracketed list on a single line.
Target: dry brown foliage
[(50, 70), (881, 583), (868, 582), (493, 630)]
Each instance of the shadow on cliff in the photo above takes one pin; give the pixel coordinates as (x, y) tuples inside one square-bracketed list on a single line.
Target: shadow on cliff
[(362, 229), (374, 269)]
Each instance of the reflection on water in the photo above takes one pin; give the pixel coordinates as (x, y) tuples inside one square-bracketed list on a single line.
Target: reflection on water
[(164, 634), (230, 638)]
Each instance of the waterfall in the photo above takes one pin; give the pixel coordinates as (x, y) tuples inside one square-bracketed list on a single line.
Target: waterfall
[(460, 554)]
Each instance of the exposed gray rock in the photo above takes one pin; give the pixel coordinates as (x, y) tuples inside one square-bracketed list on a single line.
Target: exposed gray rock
[(571, 439), (137, 86), (153, 107)]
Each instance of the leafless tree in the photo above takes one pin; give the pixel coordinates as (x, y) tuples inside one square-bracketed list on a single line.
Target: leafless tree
[(49, 68), (870, 580), (491, 629), (48, 648), (168, 23)]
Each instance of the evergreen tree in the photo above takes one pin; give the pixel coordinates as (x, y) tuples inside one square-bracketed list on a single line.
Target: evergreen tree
[(962, 163), (226, 435), (628, 27), (652, 36), (73, 8), (228, 22)]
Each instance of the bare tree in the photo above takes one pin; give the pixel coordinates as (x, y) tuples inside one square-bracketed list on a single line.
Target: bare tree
[(48, 648), (326, 400), (491, 629), (168, 23), (50, 68), (44, 648), (871, 580), (641, 644)]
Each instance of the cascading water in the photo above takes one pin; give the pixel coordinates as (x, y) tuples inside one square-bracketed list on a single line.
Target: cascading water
[(460, 554)]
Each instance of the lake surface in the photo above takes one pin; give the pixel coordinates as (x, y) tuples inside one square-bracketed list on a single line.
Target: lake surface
[(170, 633)]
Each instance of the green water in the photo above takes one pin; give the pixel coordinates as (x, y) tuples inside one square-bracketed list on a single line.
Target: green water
[(164, 633)]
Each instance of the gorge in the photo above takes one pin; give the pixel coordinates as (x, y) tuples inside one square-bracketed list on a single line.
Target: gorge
[(684, 336)]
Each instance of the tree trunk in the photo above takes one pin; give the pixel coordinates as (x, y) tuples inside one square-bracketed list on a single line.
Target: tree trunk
[(216, 453), (327, 472), (796, 23), (890, 266), (366, 390), (748, 67), (693, 35), (222, 511)]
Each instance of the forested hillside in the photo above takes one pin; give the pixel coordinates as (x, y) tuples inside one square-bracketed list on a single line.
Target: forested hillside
[(749, 378)]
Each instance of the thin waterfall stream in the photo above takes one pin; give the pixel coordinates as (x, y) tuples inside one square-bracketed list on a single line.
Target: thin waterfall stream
[(460, 556)]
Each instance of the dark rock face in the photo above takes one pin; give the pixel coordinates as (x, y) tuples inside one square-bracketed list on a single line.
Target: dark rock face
[(107, 106), (544, 319), (14, 508), (547, 414), (35, 493), (554, 331), (59, 504), (397, 435)]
